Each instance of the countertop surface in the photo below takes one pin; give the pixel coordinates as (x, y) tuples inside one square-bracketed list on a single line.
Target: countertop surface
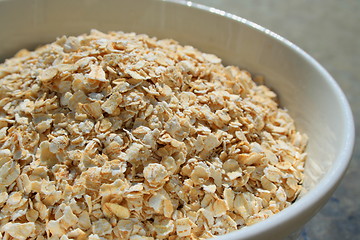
[(329, 31)]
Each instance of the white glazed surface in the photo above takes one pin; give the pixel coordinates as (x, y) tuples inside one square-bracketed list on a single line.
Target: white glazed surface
[(309, 93)]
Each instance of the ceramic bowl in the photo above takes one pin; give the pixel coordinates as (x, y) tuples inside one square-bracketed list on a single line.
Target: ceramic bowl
[(305, 88)]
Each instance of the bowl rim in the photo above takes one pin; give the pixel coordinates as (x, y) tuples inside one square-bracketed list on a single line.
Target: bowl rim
[(330, 181)]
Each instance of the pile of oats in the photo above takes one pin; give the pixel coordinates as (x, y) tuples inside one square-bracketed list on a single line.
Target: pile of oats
[(122, 136)]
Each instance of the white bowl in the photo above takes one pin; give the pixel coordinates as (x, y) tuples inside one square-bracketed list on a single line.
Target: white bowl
[(305, 88)]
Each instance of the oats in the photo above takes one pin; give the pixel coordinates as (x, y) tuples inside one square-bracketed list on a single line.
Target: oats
[(155, 174), (183, 227), (55, 229), (231, 165), (250, 159), (135, 75), (94, 237), (92, 109), (32, 215), (211, 142), (111, 104), (8, 173), (3, 132), (47, 74), (84, 221), (281, 195), (157, 202), (72, 44), (123, 229), (272, 173), (200, 174), (97, 73), (229, 196), (58, 143), (219, 207), (137, 237), (267, 184), (122, 136), (3, 197), (76, 98), (77, 234), (47, 158), (42, 121), (164, 228), (69, 219), (19, 231), (235, 174), (210, 188), (101, 227), (211, 58), (118, 210)]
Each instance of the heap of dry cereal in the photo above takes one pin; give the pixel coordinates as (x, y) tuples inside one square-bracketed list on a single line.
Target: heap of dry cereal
[(122, 136)]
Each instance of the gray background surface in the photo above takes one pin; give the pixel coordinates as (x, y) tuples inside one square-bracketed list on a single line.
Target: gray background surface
[(329, 30)]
